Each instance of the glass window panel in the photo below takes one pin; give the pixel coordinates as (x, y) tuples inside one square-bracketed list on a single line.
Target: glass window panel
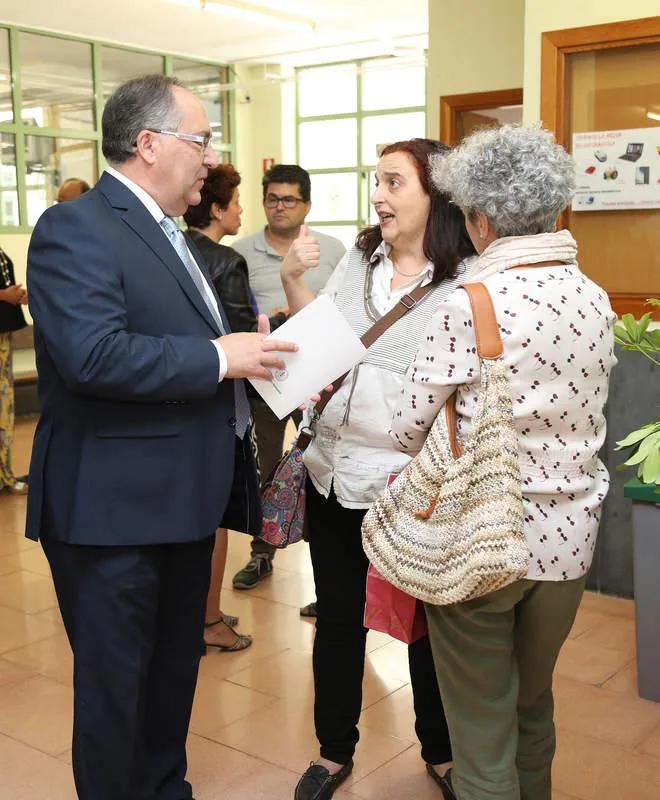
[(328, 144), (386, 128), (6, 110), (120, 66), (387, 83), (207, 82), (8, 190), (330, 90), (345, 233), (49, 162), (56, 82), (334, 196)]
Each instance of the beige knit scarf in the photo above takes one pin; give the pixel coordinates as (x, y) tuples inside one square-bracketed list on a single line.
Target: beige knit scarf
[(512, 251)]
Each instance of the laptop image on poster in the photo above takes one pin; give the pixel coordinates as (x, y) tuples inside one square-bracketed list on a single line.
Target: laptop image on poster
[(633, 151)]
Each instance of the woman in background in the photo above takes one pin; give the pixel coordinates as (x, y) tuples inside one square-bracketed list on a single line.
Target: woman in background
[(12, 297), (495, 655), (218, 215)]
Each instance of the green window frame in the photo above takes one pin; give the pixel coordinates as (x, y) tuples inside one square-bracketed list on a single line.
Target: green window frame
[(362, 168), (19, 129)]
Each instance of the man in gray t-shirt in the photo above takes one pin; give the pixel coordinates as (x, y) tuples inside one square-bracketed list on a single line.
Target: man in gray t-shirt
[(286, 205), (287, 201)]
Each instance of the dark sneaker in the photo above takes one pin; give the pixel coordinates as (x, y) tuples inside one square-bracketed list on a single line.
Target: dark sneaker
[(257, 568), (318, 784)]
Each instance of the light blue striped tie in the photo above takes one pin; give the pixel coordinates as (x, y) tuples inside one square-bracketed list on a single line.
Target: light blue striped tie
[(179, 244)]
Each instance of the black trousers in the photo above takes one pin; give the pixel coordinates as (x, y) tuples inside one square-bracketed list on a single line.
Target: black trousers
[(134, 617), (340, 572), (270, 441)]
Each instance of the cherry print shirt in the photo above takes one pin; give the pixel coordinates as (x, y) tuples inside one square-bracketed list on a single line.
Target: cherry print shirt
[(556, 327)]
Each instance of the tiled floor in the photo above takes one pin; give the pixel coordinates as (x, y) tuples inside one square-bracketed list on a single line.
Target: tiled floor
[(252, 733)]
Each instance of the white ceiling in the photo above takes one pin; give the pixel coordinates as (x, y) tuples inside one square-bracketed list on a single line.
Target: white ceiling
[(344, 28)]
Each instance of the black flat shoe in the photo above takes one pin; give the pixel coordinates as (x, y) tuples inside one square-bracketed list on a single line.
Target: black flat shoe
[(318, 784), (443, 782)]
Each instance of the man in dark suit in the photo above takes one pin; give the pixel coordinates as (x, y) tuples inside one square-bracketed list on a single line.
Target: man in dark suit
[(143, 418)]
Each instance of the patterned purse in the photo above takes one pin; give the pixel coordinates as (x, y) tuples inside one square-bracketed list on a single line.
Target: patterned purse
[(450, 527), (283, 500), (283, 493)]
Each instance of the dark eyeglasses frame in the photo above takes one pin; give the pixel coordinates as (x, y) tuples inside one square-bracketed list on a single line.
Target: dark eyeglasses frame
[(288, 201)]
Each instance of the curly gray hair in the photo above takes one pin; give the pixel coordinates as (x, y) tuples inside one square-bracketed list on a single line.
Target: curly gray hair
[(520, 178)]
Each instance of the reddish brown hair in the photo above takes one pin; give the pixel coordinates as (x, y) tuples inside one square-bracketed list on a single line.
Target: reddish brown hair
[(218, 188), (446, 242)]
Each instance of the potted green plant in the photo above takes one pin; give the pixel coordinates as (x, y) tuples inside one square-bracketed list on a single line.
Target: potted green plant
[(633, 334), (644, 453)]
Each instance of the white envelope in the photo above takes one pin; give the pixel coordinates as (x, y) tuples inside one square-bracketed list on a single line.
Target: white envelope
[(328, 349)]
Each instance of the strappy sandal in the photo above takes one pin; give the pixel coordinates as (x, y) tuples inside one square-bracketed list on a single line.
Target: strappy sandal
[(20, 488), (229, 620), (443, 781), (242, 641)]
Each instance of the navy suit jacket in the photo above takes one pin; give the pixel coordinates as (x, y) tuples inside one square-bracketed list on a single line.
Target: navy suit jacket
[(136, 442)]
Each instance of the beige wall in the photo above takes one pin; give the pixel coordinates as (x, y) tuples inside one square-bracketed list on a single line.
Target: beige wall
[(543, 15), (259, 133), (474, 46)]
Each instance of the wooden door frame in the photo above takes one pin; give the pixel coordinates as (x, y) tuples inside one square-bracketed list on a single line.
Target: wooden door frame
[(555, 47), (451, 105)]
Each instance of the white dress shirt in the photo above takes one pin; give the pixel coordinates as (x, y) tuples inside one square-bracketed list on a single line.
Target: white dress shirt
[(159, 215)]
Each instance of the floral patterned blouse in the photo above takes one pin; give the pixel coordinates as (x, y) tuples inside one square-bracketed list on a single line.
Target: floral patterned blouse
[(556, 327)]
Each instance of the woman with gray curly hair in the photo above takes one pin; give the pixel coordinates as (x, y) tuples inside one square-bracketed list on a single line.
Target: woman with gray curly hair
[(495, 655)]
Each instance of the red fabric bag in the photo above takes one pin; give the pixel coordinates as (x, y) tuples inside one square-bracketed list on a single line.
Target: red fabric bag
[(389, 610)]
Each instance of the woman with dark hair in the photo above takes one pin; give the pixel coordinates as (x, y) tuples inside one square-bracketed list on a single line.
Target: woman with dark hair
[(420, 240), (217, 215)]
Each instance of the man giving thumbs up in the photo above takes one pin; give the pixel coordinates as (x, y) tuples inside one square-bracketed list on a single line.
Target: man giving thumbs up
[(287, 202)]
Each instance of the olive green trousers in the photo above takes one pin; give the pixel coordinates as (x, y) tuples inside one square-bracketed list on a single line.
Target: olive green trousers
[(494, 658)]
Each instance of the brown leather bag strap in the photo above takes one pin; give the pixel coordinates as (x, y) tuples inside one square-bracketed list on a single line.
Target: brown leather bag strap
[(489, 346), (489, 342), (486, 330), (405, 304)]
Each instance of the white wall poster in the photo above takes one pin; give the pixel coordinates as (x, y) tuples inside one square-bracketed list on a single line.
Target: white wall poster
[(617, 169)]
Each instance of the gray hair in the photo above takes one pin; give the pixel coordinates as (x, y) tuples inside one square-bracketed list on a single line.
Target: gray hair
[(138, 104), (520, 178)]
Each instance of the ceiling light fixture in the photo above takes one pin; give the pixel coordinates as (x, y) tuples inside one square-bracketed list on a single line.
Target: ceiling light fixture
[(239, 9), (653, 115)]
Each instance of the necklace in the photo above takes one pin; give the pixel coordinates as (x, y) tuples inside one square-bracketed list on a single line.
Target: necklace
[(407, 274)]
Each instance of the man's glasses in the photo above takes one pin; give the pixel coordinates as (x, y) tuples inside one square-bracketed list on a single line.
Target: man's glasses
[(204, 140), (273, 200)]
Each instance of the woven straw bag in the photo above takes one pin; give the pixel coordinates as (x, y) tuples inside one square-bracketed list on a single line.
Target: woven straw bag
[(450, 527)]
